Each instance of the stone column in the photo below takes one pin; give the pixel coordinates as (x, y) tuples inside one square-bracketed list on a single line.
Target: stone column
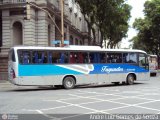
[(42, 29), (52, 33), (29, 30), (6, 31)]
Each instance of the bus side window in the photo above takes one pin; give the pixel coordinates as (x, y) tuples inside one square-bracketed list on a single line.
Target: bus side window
[(80, 57), (64, 58), (56, 57), (102, 58), (94, 57), (72, 57), (50, 58), (114, 57), (76, 57), (109, 58), (39, 57), (86, 58), (20, 56), (26, 57), (129, 57), (91, 57), (35, 57), (42, 58)]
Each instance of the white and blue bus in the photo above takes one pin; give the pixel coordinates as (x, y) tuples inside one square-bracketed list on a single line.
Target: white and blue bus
[(75, 65)]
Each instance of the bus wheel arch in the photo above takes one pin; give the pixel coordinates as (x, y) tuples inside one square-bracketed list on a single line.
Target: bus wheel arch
[(131, 77), (69, 82)]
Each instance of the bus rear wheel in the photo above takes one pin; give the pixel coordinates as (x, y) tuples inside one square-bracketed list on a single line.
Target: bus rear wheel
[(130, 79), (69, 82)]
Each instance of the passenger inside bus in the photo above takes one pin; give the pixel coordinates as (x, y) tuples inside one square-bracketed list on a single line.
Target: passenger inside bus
[(25, 58), (50, 57)]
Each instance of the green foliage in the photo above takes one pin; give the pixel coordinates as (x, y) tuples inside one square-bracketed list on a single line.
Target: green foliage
[(111, 17), (148, 28)]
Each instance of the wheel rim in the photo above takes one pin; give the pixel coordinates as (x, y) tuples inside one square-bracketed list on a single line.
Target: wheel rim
[(69, 83), (130, 79)]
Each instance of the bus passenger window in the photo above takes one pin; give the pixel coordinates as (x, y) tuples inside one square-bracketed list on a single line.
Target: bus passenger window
[(72, 57), (114, 58), (56, 57), (24, 57), (39, 57), (50, 58), (42, 58), (130, 58), (64, 58), (35, 57), (77, 57), (94, 57), (102, 58), (80, 57), (91, 57), (86, 59)]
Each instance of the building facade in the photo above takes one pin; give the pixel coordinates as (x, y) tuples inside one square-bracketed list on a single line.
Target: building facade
[(39, 30)]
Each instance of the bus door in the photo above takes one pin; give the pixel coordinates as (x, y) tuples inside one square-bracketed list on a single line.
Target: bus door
[(143, 73)]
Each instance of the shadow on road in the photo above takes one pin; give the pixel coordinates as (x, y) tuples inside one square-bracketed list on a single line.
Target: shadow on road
[(43, 88)]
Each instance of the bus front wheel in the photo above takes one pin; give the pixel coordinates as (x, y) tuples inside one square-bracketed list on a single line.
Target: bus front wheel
[(130, 79), (69, 82)]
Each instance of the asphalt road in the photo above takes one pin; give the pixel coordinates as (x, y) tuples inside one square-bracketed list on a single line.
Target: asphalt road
[(50, 103)]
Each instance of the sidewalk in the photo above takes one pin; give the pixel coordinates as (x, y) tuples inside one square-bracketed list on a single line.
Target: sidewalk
[(3, 81)]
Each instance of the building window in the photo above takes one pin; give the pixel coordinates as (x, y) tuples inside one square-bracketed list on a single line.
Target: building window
[(71, 40), (76, 41), (17, 33)]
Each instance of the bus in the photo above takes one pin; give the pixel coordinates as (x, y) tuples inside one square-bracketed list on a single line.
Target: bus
[(153, 64), (75, 65)]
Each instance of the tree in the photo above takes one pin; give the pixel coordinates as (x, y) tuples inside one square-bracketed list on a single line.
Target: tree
[(88, 11), (149, 28), (104, 14)]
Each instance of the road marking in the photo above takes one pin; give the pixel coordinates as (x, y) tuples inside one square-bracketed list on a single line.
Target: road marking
[(46, 115), (80, 106), (93, 94), (149, 108)]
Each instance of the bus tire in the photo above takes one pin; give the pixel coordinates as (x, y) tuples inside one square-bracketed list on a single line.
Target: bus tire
[(69, 82), (130, 79)]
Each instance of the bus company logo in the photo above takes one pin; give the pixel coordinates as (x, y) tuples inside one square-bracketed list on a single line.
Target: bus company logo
[(108, 70)]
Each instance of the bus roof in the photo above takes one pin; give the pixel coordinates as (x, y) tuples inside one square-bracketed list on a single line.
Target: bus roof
[(77, 48)]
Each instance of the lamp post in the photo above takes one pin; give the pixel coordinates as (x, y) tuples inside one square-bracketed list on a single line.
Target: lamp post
[(62, 23)]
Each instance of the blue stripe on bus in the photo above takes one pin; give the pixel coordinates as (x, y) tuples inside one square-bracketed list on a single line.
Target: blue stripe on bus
[(116, 68), (44, 70)]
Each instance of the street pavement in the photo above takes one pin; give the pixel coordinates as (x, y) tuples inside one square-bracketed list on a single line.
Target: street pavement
[(50, 103)]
